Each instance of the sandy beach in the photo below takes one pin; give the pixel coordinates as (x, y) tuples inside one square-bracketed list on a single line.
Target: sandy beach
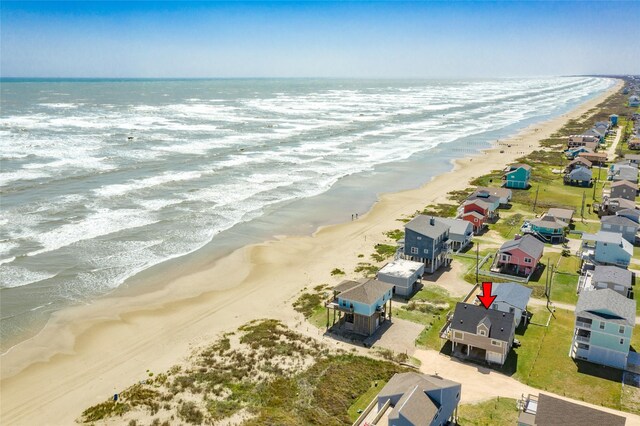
[(87, 353)]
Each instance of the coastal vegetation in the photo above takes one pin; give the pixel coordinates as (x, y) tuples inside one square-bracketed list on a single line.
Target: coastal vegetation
[(494, 412)]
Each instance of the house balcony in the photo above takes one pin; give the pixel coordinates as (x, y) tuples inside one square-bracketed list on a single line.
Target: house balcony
[(583, 324), (582, 339), (333, 304)]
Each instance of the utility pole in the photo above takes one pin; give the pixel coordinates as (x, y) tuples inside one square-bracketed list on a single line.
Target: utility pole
[(535, 202), (477, 261), (546, 283), (584, 196), (595, 185)]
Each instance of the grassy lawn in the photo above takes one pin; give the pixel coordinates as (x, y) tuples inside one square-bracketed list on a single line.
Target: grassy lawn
[(543, 362), (494, 412), (563, 288), (363, 400)]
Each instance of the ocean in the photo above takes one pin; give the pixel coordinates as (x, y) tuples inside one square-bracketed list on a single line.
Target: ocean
[(103, 179)]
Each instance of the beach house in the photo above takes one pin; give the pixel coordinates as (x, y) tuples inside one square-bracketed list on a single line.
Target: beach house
[(403, 274), (517, 176), (565, 215), (612, 277), (600, 134), (620, 224), (597, 158), (634, 101), (579, 176), (492, 200), (545, 410), (519, 257), (480, 334), (578, 162), (589, 141), (548, 229), (460, 232), (623, 171), (632, 214), (426, 240), (362, 306), (624, 189), (614, 205), (573, 153), (477, 220), (632, 158), (613, 119), (478, 205), (414, 399), (606, 248), (504, 194), (603, 328), (512, 298)]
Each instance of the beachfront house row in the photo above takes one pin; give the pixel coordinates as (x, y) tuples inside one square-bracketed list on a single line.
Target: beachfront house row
[(403, 274), (517, 176), (519, 257), (362, 306), (426, 240), (547, 229), (414, 399), (603, 328), (578, 162), (579, 176), (477, 220), (545, 410), (606, 248), (512, 298), (632, 214), (620, 224), (624, 189), (612, 277), (481, 334), (460, 232), (504, 194)]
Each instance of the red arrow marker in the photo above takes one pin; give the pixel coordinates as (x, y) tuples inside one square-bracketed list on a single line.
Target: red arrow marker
[(486, 298)]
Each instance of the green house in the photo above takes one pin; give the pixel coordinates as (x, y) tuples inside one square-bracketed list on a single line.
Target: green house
[(517, 176)]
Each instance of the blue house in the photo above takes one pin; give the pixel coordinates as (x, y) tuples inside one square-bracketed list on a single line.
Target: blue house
[(579, 176), (426, 240), (614, 119), (573, 152), (517, 176), (603, 328), (362, 306), (606, 248), (547, 228)]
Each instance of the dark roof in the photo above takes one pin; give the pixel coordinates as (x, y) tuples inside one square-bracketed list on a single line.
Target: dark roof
[(592, 304), (367, 292), (466, 317), (528, 244), (554, 411), (625, 183), (422, 225), (581, 160)]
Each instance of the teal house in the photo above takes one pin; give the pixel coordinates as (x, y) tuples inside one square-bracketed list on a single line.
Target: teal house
[(517, 176), (603, 328), (547, 228), (362, 306)]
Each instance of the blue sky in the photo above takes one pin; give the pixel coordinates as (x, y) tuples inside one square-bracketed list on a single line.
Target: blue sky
[(318, 39)]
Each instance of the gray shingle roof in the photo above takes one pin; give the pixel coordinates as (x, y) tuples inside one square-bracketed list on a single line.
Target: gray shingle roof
[(479, 201), (554, 411), (485, 197), (623, 202), (367, 292), (599, 303), (512, 294), (629, 213), (612, 274), (498, 192), (618, 220), (528, 244), (581, 160), (548, 221), (457, 226), (581, 173), (422, 225), (624, 182), (564, 214), (466, 317)]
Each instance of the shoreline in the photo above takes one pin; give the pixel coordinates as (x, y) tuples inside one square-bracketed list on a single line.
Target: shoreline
[(74, 363)]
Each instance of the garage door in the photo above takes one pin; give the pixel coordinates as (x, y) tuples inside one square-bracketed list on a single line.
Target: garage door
[(494, 357)]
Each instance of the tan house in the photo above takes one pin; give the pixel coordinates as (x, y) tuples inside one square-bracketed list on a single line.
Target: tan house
[(588, 141), (481, 334), (595, 157)]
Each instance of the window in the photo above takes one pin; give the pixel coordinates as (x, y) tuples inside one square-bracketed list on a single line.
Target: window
[(426, 251), (621, 329), (496, 343), (414, 250), (483, 333), (622, 341), (583, 346), (458, 335), (527, 260), (419, 238), (601, 325)]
